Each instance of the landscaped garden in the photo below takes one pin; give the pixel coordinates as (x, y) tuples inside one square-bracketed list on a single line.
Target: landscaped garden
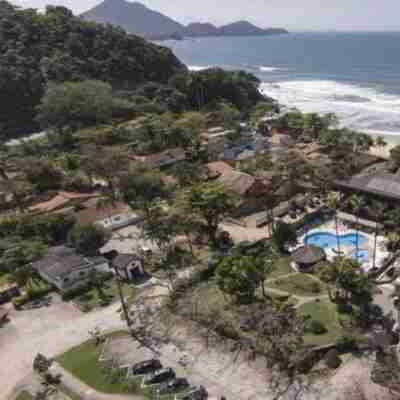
[(108, 293), (328, 328), (298, 284)]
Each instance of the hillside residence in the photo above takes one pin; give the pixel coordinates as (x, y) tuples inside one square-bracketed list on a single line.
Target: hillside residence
[(281, 139), (63, 268), (129, 267), (116, 216), (249, 190), (265, 124), (215, 139), (60, 201), (162, 159), (237, 182)]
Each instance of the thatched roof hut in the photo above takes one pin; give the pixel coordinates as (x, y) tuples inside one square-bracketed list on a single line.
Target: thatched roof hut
[(307, 256)]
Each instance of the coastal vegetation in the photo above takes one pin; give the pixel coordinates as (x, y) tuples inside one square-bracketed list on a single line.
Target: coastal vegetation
[(56, 47)]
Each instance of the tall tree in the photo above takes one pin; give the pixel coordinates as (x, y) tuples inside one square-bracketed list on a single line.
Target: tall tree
[(378, 212), (357, 202), (88, 238), (68, 106), (284, 234), (106, 165), (142, 189), (333, 204), (212, 203), (239, 277)]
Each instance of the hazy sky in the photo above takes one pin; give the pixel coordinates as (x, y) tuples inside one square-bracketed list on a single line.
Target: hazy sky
[(292, 14)]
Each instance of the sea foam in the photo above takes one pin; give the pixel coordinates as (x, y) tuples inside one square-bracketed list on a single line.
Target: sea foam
[(268, 69), (363, 108), (198, 67)]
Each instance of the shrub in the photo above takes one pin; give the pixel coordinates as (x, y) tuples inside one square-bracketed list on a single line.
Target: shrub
[(332, 359), (32, 294), (315, 287), (316, 327), (344, 308), (131, 386), (346, 343)]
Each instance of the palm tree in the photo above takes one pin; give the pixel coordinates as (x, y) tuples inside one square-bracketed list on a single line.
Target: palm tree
[(333, 204), (357, 202), (378, 211)]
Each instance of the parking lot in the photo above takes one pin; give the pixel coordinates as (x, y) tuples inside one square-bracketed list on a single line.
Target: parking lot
[(49, 330)]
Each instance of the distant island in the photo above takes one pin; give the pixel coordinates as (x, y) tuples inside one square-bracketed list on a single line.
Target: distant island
[(136, 18)]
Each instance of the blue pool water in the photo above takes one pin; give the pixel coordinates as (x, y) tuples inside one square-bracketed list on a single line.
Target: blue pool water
[(328, 240), (363, 255)]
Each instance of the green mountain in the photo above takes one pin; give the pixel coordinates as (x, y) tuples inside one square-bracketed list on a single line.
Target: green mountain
[(134, 18), (38, 48), (245, 28)]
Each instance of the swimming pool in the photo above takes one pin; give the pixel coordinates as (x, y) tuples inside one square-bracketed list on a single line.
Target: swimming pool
[(328, 240), (363, 255)]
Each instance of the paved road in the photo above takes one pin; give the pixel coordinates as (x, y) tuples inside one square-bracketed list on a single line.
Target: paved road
[(48, 330)]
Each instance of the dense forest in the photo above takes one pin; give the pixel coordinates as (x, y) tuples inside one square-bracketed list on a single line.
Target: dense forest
[(56, 46)]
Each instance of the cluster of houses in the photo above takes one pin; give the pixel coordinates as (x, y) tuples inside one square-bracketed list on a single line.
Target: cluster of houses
[(65, 269)]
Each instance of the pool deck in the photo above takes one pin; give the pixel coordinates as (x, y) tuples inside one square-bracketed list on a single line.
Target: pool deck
[(329, 227)]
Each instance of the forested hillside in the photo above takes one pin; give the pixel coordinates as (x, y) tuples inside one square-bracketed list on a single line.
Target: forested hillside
[(56, 46)]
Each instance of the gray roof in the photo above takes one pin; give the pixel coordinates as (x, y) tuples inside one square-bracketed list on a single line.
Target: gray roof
[(308, 255), (123, 260), (61, 260), (381, 184)]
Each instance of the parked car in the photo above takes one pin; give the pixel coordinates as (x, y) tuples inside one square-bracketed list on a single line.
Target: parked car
[(173, 386), (146, 367), (159, 376), (196, 393)]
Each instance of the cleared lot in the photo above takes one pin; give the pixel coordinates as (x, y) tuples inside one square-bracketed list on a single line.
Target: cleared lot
[(50, 330), (128, 240)]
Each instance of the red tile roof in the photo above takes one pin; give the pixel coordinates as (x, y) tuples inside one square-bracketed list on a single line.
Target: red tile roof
[(60, 200)]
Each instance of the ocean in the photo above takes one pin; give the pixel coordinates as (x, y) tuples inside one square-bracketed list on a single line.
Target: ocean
[(355, 75)]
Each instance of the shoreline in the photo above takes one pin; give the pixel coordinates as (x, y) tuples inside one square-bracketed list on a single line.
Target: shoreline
[(383, 152)]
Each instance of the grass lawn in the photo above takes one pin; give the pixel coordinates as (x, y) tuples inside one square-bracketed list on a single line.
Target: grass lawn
[(326, 312), (281, 267), (90, 300), (298, 284), (82, 361), (24, 396)]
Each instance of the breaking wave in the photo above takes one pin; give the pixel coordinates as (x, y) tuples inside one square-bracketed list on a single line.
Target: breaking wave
[(269, 69), (363, 108), (198, 67)]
